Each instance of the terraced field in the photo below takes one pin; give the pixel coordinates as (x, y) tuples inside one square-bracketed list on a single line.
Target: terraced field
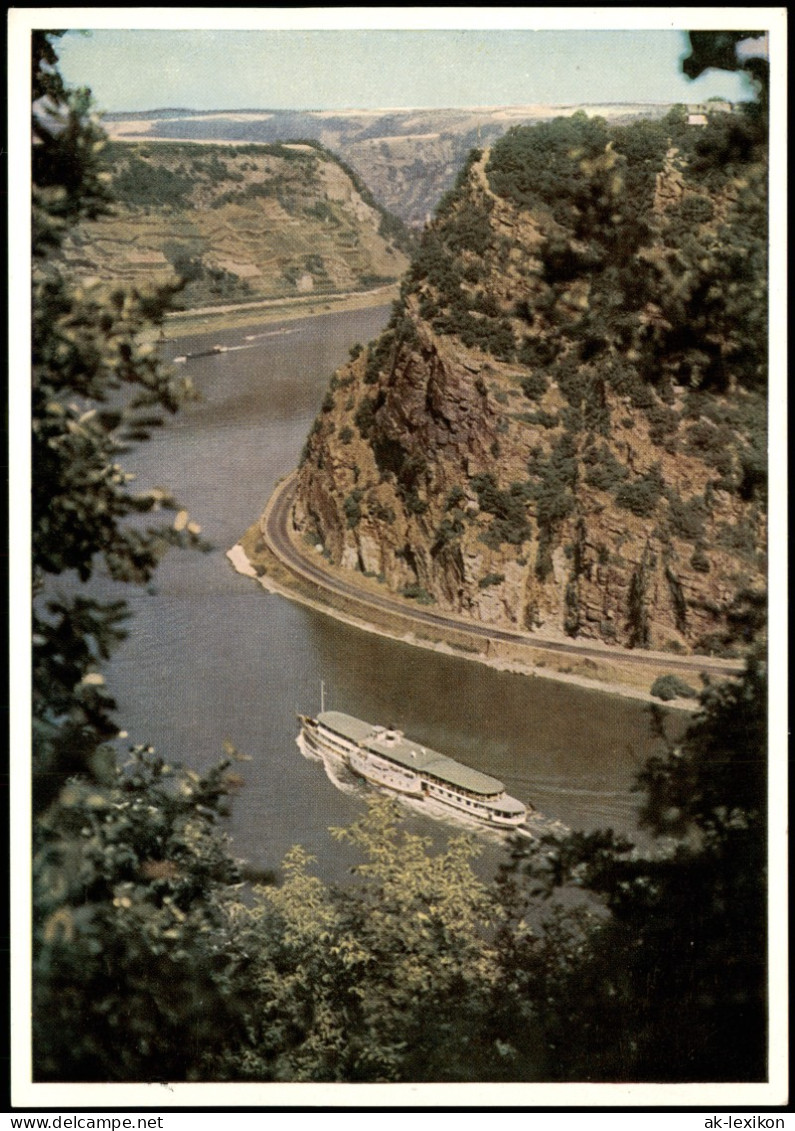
[(240, 223)]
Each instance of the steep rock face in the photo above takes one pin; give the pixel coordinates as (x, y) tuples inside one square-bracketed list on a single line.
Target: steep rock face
[(532, 446)]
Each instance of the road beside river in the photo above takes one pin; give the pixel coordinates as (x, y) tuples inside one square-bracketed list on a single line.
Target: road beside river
[(359, 601)]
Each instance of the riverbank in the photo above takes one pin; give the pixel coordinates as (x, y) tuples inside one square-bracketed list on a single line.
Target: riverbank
[(252, 558), (265, 312)]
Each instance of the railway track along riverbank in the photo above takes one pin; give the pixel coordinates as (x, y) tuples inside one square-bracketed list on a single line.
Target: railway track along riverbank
[(272, 552)]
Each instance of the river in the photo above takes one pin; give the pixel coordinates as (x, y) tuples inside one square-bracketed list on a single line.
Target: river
[(211, 657)]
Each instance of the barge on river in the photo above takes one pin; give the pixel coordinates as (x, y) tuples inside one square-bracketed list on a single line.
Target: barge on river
[(387, 759)]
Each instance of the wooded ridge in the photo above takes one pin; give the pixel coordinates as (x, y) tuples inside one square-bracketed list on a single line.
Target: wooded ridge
[(564, 424)]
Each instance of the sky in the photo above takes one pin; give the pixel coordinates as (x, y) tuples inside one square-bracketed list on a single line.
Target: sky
[(369, 67)]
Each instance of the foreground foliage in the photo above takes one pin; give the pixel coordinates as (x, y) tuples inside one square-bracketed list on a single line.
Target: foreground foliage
[(131, 978), (671, 984), (365, 982), (125, 857)]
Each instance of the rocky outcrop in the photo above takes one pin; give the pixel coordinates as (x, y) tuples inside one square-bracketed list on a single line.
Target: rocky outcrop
[(513, 485)]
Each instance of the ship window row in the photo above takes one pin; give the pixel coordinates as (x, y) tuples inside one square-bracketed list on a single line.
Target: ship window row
[(398, 770), (388, 764), (442, 783), (460, 790), (475, 803)]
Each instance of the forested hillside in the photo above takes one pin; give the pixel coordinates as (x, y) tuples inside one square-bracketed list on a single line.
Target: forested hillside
[(564, 425), (151, 962), (238, 223)]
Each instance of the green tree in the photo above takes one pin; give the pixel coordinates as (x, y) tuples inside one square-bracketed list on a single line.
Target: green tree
[(385, 979), (67, 183), (718, 49), (130, 974)]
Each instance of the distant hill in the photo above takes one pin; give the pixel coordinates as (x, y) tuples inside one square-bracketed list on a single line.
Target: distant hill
[(408, 158), (240, 222)]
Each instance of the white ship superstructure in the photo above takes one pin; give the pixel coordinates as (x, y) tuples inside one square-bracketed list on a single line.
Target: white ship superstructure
[(384, 757)]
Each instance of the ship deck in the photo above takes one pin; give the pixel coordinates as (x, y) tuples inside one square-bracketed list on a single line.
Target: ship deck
[(394, 746)]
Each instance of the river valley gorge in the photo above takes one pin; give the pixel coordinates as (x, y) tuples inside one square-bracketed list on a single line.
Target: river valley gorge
[(213, 659)]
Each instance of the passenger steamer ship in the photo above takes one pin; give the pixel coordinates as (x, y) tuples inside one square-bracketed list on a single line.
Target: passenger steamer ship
[(384, 757)]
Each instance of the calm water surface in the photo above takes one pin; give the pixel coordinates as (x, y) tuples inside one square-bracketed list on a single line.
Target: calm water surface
[(212, 657)]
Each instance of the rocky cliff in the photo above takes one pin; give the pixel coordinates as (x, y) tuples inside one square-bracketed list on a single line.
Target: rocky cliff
[(563, 426)]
